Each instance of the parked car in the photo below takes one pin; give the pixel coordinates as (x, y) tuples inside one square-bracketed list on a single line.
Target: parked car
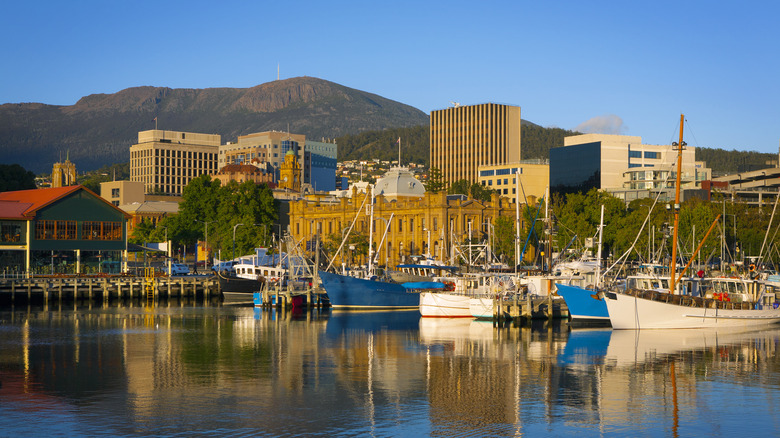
[(224, 266), (179, 269)]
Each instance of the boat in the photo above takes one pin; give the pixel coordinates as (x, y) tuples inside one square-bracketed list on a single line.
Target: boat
[(423, 270), (348, 292), (241, 281), (469, 295), (671, 308)]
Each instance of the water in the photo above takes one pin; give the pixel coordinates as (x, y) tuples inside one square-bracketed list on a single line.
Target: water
[(182, 370)]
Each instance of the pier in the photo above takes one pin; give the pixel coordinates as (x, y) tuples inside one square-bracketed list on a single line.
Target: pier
[(52, 289), (309, 298), (519, 309)]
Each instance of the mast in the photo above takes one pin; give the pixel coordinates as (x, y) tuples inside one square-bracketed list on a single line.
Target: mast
[(673, 267), (598, 256)]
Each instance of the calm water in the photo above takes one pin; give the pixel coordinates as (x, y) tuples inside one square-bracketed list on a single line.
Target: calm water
[(184, 370)]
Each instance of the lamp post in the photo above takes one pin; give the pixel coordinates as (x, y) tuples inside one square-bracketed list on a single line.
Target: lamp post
[(428, 249), (234, 239), (206, 262)]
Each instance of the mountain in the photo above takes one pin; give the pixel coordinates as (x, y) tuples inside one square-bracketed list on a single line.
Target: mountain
[(99, 129)]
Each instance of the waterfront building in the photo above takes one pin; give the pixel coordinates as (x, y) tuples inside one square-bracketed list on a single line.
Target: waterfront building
[(63, 230), (123, 192), (623, 166), (63, 174), (534, 178), (411, 225), (463, 138), (166, 161)]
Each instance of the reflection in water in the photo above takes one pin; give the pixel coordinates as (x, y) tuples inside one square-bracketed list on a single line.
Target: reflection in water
[(231, 370)]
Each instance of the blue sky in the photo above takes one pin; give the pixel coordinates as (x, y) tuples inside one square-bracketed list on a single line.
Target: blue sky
[(614, 67)]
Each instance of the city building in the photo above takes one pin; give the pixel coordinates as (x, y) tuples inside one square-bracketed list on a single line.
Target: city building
[(317, 159), (623, 166), (166, 161), (152, 211), (63, 174), (433, 224), (463, 138), (123, 192), (534, 178), (319, 165), (268, 146), (63, 230), (290, 172), (257, 172)]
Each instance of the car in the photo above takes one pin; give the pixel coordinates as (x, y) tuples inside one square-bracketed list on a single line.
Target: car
[(224, 266), (179, 269)]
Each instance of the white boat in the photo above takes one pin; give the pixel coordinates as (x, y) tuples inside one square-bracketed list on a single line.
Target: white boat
[(456, 302), (671, 308)]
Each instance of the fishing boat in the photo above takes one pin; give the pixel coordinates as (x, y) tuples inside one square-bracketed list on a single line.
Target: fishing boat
[(670, 308), (241, 281), (348, 292)]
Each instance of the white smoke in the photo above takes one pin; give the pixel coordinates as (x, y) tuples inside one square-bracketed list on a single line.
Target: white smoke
[(607, 124)]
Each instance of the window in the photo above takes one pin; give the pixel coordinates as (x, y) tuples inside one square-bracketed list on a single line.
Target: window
[(630, 165), (114, 193), (486, 172), (400, 225), (653, 155), (93, 230), (634, 154), (502, 171), (10, 232), (55, 230)]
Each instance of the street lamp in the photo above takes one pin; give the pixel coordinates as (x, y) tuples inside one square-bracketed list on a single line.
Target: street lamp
[(234, 239), (206, 262), (428, 249)]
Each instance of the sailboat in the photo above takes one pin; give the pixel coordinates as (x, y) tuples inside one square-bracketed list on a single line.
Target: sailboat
[(639, 308)]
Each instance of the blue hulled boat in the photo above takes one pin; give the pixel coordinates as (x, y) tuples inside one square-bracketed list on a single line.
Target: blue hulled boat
[(583, 304), (352, 292)]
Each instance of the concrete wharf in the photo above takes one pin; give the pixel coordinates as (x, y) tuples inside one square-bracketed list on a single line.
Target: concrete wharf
[(105, 288)]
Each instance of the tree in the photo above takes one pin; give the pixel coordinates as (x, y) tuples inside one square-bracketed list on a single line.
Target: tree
[(480, 192), (14, 177), (504, 231), (142, 232), (435, 181), (460, 187)]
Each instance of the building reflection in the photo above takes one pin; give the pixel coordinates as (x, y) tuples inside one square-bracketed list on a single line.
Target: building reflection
[(365, 371)]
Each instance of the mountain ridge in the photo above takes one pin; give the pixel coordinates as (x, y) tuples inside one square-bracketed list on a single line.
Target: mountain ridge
[(100, 128)]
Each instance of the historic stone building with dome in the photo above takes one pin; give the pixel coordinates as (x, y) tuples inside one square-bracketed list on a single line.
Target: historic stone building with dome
[(417, 222)]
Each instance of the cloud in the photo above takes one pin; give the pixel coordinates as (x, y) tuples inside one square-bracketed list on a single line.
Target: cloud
[(607, 124)]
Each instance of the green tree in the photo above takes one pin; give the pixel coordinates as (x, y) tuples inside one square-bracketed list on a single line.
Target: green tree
[(460, 187), (14, 177), (142, 232), (435, 182), (504, 246)]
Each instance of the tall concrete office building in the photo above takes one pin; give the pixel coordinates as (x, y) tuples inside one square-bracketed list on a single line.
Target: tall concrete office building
[(462, 138), (166, 161)]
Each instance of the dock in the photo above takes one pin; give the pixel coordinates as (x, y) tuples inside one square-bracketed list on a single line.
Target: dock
[(308, 298), (519, 309), (105, 288)]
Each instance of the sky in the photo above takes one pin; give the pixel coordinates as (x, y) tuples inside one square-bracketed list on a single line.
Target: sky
[(612, 67)]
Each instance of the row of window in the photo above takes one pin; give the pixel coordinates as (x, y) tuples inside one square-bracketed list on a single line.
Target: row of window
[(648, 154), (66, 230)]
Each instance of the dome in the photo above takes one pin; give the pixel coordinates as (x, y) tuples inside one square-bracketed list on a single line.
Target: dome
[(399, 181)]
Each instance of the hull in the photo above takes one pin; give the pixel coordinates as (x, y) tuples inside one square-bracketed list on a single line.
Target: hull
[(356, 293), (236, 286), (627, 312), (582, 305), (481, 308), (442, 304)]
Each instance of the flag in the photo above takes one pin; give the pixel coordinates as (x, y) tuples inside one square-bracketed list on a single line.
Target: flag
[(154, 119), (399, 140)]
